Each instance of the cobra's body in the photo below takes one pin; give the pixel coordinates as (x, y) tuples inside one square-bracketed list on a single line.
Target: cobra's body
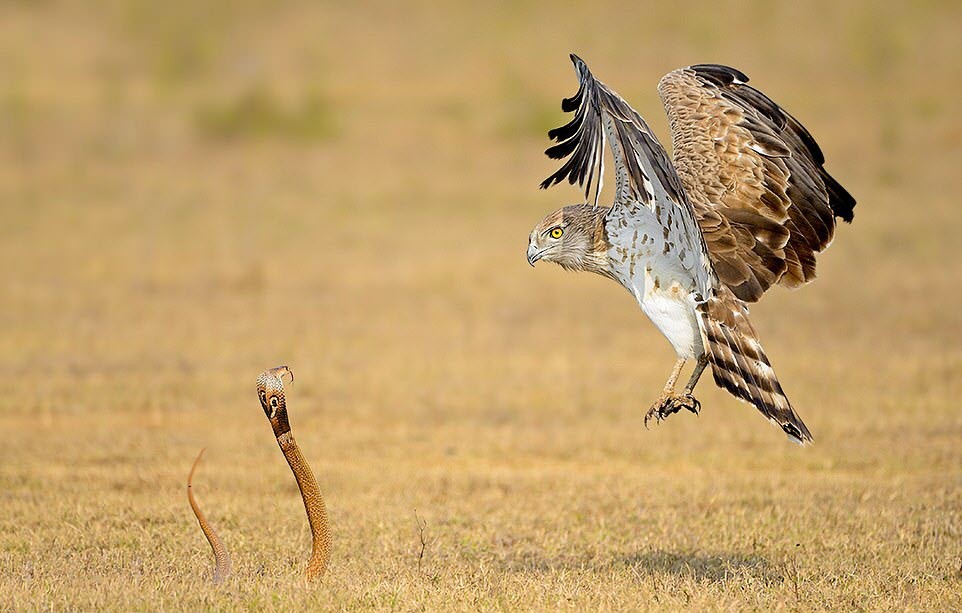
[(222, 564), (270, 390)]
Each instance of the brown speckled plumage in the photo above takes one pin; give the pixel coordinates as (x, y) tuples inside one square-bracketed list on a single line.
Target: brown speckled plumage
[(755, 177), (743, 204)]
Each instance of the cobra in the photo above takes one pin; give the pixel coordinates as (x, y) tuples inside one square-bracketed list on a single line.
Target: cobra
[(270, 392)]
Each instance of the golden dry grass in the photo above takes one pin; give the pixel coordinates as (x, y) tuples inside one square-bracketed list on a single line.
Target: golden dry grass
[(194, 193)]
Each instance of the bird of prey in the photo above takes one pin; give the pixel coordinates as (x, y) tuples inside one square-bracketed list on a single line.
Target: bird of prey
[(743, 204)]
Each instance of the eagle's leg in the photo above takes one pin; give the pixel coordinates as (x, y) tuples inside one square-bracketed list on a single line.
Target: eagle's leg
[(695, 375), (671, 402), (673, 378)]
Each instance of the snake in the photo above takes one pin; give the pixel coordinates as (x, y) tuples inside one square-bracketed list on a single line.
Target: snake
[(222, 565), (270, 391)]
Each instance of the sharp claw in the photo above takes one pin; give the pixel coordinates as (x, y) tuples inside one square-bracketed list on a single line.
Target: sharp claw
[(653, 412), (671, 405)]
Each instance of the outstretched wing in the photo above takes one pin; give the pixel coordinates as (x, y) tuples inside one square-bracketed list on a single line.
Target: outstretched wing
[(755, 177), (644, 175)]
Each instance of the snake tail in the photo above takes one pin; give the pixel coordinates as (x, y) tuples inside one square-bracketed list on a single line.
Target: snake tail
[(222, 563)]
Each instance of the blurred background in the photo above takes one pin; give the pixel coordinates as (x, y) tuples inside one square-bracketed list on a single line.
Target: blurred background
[(194, 192)]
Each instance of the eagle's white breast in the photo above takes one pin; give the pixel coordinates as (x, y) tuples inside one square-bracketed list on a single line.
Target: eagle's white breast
[(654, 264)]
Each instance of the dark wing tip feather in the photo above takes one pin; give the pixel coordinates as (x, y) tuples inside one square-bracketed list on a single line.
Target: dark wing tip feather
[(561, 150), (578, 62), (584, 75), (842, 202), (719, 74), (569, 105), (578, 140)]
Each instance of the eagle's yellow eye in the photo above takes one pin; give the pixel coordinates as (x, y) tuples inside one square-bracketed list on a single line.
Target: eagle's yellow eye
[(556, 232)]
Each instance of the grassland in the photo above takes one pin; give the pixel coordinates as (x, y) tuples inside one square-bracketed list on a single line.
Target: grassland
[(192, 193)]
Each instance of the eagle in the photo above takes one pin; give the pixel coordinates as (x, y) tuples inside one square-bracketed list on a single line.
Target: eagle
[(743, 204)]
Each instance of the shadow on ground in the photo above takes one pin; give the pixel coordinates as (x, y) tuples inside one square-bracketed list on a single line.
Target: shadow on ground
[(702, 567), (706, 567)]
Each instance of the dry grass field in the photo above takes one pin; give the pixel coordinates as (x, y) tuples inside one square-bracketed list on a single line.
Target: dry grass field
[(194, 192)]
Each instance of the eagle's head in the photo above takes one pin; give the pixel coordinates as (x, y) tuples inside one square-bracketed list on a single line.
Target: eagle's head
[(572, 237)]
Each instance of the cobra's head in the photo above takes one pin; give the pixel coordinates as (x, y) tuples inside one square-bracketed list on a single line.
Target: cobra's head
[(572, 237), (270, 391)]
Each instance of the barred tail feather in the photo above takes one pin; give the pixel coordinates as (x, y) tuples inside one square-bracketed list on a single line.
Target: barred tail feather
[(740, 366)]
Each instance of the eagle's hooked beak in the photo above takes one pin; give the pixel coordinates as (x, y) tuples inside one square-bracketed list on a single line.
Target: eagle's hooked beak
[(534, 255)]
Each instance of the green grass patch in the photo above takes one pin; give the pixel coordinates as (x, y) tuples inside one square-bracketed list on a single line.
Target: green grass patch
[(259, 114)]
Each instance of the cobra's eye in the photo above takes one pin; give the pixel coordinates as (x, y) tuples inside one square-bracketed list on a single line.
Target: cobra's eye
[(556, 232)]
